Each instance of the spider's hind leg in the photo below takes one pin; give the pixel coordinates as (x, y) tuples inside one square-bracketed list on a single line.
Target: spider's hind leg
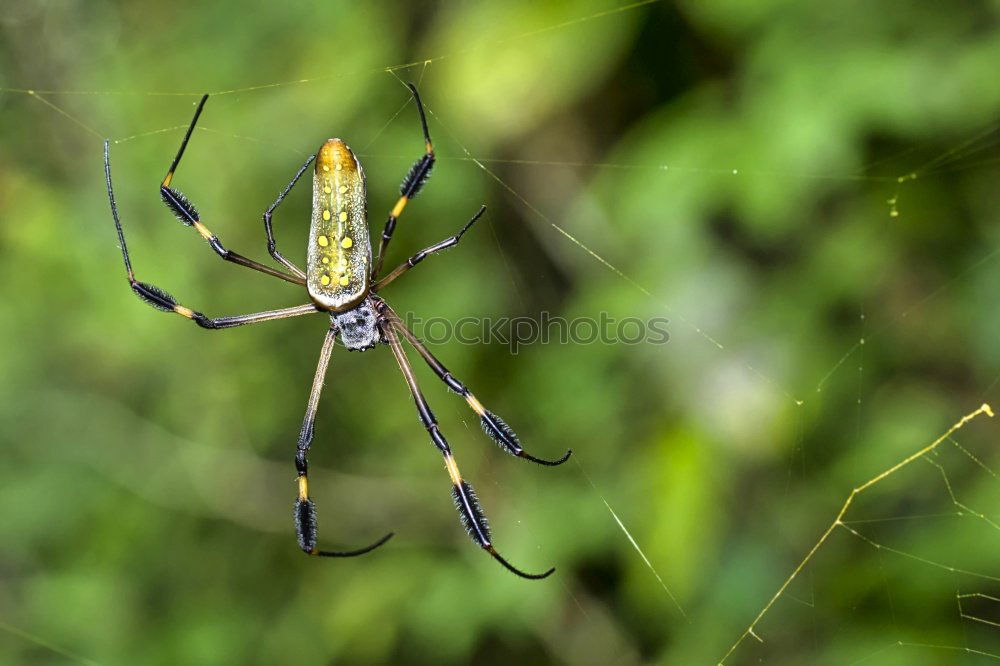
[(161, 300), (272, 244), (185, 211), (451, 241), (412, 183)]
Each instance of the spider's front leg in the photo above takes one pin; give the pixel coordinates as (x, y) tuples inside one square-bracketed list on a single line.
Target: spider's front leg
[(469, 510), (492, 425), (305, 508)]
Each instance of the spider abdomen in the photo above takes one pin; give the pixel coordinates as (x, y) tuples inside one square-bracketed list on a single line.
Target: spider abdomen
[(339, 255)]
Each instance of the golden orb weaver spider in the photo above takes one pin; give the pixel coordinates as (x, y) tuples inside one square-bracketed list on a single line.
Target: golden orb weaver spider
[(342, 280)]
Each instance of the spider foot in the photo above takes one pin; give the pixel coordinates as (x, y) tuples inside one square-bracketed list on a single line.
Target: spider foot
[(506, 439), (353, 553), (510, 567), (542, 461)]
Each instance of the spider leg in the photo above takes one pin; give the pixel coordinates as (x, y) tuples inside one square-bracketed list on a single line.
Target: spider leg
[(161, 300), (470, 512), (305, 509), (451, 241), (272, 246), (492, 424), (186, 212), (415, 179)]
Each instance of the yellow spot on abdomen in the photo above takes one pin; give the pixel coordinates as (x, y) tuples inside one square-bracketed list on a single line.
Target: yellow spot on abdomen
[(326, 167), (326, 215), (323, 241), (344, 281), (346, 243), (326, 260), (325, 280), (343, 189), (339, 166), (326, 188), (343, 216)]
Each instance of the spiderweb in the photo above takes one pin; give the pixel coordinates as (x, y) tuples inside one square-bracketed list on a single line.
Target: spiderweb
[(880, 504)]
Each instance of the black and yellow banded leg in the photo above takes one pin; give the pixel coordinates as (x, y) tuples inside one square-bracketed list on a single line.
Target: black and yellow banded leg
[(414, 181), (492, 425), (272, 245), (451, 241), (161, 300), (305, 508), (469, 509), (185, 211)]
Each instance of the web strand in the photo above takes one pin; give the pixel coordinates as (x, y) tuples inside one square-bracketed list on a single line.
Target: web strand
[(839, 522), (632, 540), (48, 645)]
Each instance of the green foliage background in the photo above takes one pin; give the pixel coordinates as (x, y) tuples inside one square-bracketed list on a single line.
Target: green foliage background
[(146, 481)]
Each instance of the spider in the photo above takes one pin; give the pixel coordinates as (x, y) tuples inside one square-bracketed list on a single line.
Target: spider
[(342, 281)]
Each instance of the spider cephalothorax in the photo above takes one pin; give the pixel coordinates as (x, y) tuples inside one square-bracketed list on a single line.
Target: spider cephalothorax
[(358, 327), (342, 281)]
